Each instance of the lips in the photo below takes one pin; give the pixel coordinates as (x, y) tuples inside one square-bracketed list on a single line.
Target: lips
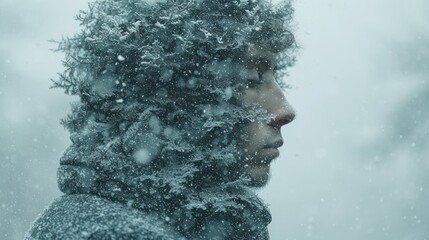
[(275, 144), (268, 153), (271, 149)]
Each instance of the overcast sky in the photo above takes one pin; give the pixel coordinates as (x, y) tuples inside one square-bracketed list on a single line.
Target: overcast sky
[(353, 165)]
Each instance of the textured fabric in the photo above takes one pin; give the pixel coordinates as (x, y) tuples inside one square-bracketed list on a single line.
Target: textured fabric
[(242, 215), (85, 216)]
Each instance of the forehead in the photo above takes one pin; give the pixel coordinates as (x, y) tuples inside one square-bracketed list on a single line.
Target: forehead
[(257, 56)]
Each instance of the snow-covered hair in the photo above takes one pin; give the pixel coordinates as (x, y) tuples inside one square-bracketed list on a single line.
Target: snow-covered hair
[(156, 121)]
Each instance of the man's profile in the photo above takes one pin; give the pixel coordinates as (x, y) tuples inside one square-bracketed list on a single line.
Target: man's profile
[(179, 116)]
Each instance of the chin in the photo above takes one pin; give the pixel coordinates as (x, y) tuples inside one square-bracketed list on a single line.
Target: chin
[(258, 175)]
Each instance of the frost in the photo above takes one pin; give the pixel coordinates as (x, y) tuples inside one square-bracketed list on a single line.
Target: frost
[(155, 125), (166, 75), (104, 87), (158, 24), (143, 156), (89, 39), (191, 83), (171, 133), (121, 58), (206, 33), (228, 93)]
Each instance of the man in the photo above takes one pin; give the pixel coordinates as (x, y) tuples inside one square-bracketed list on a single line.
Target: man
[(263, 140), (179, 116)]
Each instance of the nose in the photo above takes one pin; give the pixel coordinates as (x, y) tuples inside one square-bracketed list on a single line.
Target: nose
[(277, 105)]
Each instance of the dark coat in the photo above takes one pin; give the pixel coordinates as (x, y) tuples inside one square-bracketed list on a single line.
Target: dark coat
[(83, 216)]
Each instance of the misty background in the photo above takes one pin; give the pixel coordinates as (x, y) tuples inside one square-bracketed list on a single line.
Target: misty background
[(354, 165)]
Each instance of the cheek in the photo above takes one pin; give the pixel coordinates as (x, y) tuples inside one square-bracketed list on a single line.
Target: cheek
[(249, 97), (251, 136)]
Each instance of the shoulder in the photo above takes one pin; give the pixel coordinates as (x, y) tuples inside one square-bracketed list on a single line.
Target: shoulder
[(84, 216)]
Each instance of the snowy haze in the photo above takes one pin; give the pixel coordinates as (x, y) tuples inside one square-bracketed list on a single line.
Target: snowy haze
[(354, 161)]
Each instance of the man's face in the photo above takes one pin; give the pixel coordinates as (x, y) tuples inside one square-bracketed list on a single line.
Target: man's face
[(261, 140)]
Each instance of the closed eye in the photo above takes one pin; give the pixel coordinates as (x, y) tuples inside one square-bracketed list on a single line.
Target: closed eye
[(255, 82)]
